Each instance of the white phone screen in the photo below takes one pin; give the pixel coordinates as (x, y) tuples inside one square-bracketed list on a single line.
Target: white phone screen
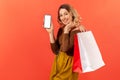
[(47, 21)]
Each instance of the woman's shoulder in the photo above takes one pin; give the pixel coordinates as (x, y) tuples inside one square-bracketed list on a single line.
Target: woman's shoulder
[(80, 28), (76, 29), (60, 30), (74, 32)]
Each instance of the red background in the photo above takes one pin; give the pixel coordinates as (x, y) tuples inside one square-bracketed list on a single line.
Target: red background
[(25, 52)]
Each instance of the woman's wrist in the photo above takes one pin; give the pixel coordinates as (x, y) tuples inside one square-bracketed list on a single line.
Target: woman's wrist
[(51, 35), (51, 32), (66, 32)]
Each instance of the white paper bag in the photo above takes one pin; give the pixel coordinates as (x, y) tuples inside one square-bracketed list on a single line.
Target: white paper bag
[(90, 55)]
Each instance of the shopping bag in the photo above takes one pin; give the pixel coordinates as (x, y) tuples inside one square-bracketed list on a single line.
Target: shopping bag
[(87, 56)]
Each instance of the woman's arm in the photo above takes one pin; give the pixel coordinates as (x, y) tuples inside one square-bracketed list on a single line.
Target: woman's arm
[(52, 38), (53, 42), (55, 46), (66, 37)]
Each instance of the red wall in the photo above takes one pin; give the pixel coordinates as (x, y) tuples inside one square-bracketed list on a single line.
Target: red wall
[(25, 52)]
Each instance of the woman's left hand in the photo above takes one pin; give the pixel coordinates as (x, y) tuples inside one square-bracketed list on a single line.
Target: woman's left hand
[(81, 28), (68, 27)]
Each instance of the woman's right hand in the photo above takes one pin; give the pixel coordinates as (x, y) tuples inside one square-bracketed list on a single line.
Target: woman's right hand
[(51, 33), (51, 29)]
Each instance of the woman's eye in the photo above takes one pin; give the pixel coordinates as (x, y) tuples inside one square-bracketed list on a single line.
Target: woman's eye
[(60, 15), (66, 13)]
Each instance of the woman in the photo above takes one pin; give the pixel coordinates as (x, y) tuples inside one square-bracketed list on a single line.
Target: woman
[(63, 45)]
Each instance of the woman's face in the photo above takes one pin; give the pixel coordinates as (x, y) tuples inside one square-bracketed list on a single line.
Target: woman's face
[(65, 16)]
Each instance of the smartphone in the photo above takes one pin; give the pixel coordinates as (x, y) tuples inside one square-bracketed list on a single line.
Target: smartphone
[(47, 21)]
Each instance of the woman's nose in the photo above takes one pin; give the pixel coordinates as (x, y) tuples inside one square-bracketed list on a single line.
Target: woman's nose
[(63, 17)]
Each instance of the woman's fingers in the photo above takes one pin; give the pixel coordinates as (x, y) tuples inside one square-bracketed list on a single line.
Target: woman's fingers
[(50, 30), (82, 28)]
